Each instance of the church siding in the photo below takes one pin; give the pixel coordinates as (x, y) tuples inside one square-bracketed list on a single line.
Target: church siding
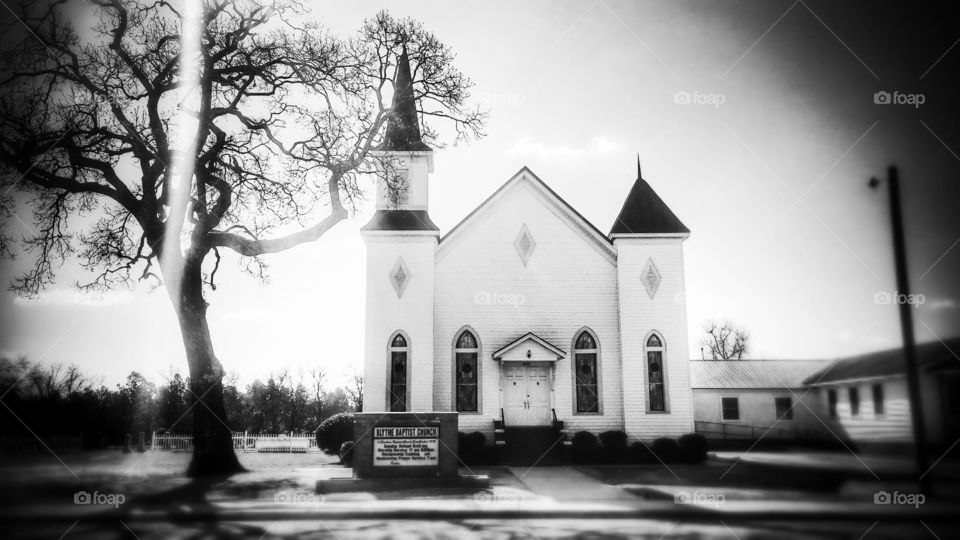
[(412, 313), (566, 285), (639, 316)]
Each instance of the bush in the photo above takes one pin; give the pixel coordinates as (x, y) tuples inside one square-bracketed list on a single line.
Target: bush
[(614, 445), (693, 447), (667, 450), (641, 453), (346, 453), (472, 448), (586, 447), (471, 441), (335, 431)]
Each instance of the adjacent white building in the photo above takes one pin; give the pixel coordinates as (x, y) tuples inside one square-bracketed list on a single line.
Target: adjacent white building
[(865, 397), (750, 399), (524, 312)]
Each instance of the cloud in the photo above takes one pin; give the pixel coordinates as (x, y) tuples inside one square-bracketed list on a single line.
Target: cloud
[(597, 146), (74, 298)]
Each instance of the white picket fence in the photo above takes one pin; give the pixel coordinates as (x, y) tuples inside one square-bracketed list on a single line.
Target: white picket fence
[(242, 442)]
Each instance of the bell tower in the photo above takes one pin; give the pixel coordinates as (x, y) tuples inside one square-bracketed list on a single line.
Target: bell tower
[(401, 246)]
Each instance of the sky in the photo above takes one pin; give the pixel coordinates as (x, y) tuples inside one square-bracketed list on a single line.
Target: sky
[(756, 121)]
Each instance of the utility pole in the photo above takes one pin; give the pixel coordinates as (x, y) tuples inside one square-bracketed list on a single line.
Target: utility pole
[(906, 326)]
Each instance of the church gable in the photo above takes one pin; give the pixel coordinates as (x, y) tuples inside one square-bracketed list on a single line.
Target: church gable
[(523, 183)]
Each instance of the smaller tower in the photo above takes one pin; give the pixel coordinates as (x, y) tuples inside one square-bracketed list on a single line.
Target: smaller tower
[(649, 239), (401, 245)]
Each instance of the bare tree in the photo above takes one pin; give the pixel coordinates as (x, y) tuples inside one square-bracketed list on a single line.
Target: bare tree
[(355, 391), (318, 378), (725, 340), (136, 152)]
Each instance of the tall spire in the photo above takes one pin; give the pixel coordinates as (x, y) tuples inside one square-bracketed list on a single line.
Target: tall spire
[(644, 212), (403, 126)]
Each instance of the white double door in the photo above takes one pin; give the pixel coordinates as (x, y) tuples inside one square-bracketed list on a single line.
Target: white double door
[(526, 395)]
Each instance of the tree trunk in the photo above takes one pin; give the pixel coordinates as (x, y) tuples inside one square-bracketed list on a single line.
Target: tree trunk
[(213, 453)]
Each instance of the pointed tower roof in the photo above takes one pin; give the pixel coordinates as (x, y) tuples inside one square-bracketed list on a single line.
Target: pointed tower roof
[(644, 212), (403, 126)]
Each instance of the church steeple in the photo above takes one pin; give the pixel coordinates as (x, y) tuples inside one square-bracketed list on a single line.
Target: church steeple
[(645, 213), (405, 163), (403, 126)]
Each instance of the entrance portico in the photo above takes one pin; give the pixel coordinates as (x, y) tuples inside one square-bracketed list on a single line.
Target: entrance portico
[(527, 375)]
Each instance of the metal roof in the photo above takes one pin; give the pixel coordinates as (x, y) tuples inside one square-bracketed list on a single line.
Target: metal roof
[(931, 356), (755, 374)]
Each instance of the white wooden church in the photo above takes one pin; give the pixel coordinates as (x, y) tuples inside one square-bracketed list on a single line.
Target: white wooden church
[(524, 313)]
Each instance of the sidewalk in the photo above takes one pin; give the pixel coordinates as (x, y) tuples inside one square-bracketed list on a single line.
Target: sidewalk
[(569, 484), (883, 466)]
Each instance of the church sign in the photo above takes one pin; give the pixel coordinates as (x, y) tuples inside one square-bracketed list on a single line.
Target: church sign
[(405, 446)]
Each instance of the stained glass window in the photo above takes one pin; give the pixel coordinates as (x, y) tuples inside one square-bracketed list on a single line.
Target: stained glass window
[(398, 373), (585, 373), (466, 372), (655, 381)]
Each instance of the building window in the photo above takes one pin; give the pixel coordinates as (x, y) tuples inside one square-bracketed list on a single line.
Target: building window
[(784, 407), (655, 379), (399, 351), (585, 364), (832, 402), (465, 356), (730, 408), (854, 395), (877, 399)]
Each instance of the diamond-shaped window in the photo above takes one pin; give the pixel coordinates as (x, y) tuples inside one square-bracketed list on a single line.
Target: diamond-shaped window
[(650, 278), (400, 276), (525, 244)]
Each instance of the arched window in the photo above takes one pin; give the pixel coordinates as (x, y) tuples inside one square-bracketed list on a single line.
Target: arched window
[(655, 379), (465, 359), (399, 353), (585, 369)]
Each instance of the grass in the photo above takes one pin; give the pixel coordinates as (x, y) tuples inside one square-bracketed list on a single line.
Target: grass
[(49, 479)]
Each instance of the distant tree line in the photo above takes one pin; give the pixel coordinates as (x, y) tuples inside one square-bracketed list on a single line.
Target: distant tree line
[(57, 400)]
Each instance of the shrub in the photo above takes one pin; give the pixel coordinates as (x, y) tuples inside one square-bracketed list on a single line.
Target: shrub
[(346, 453), (472, 448), (614, 445), (667, 450), (641, 453), (472, 440), (693, 447), (586, 447), (335, 431)]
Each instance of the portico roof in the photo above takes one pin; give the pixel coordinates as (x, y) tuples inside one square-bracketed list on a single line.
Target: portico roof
[(529, 347)]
